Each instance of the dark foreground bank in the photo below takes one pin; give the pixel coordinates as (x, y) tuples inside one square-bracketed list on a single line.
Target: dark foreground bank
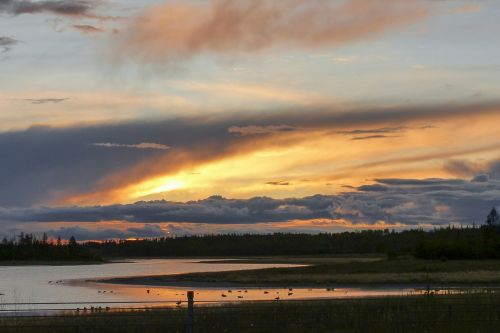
[(429, 313)]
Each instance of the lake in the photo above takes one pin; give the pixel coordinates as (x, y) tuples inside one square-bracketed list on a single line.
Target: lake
[(70, 285)]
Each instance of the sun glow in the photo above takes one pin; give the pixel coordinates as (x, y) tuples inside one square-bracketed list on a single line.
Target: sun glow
[(157, 185)]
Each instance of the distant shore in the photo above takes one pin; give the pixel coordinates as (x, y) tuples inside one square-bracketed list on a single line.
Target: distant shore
[(336, 272), (49, 263)]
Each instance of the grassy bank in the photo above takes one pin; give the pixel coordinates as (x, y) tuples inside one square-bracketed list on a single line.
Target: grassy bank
[(451, 313), (342, 271)]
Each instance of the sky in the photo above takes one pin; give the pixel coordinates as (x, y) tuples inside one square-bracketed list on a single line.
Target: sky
[(121, 119)]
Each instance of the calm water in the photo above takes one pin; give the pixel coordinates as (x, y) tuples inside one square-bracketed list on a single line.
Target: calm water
[(45, 284)]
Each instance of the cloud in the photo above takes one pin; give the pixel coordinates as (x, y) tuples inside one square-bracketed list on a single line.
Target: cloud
[(6, 43), (176, 30), (410, 202), (84, 234), (382, 130), (253, 130), (278, 183), (58, 7), (88, 29), (142, 145), (39, 164), (371, 137), (45, 100)]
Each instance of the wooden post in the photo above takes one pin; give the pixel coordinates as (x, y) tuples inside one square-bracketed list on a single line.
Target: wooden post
[(190, 296)]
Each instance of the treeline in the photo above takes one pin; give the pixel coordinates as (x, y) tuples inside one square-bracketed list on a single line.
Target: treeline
[(445, 243), (476, 242), (470, 243), (368, 241), (28, 247)]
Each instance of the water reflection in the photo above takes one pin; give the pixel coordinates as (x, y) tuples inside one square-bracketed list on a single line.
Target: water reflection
[(36, 286)]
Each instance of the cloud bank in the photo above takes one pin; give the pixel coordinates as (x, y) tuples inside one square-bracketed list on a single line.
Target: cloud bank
[(410, 202), (176, 30), (40, 164)]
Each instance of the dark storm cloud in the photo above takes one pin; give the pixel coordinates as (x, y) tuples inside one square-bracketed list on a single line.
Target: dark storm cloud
[(42, 164), (59, 7), (6, 43), (394, 201)]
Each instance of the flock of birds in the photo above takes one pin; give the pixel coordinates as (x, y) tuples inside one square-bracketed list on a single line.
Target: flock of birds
[(289, 293), (178, 303)]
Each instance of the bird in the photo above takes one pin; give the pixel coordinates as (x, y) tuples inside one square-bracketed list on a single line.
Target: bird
[(147, 291), (224, 295), (290, 289), (178, 303), (266, 292), (290, 294), (240, 296), (277, 298), (246, 290), (229, 291)]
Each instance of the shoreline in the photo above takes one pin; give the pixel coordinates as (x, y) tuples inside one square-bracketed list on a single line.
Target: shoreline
[(170, 281), (50, 263)]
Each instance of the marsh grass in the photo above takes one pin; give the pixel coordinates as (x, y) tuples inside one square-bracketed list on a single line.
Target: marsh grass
[(474, 312), (332, 271)]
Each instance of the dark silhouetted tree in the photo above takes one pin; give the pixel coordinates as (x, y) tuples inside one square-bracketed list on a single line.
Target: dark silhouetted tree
[(493, 219)]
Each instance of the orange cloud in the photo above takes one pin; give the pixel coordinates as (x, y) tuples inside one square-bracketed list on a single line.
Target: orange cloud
[(177, 30)]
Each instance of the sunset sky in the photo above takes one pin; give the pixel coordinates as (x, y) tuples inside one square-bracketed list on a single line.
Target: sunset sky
[(126, 118)]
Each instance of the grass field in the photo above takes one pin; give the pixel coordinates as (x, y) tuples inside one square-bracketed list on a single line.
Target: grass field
[(430, 313), (327, 271)]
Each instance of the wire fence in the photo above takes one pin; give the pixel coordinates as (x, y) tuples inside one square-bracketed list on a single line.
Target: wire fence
[(424, 313)]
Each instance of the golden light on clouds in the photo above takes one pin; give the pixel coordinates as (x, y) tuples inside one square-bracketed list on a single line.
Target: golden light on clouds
[(323, 161)]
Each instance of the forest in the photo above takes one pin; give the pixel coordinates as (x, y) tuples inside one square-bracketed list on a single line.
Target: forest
[(29, 247), (469, 242)]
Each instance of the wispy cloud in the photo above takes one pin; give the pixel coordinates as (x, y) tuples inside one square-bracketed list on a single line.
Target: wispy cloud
[(6, 43), (279, 183), (142, 145), (59, 7), (371, 137), (88, 29), (373, 130), (176, 30), (254, 130), (45, 100)]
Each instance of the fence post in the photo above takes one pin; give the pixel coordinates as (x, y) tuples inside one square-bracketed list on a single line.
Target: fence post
[(190, 296)]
